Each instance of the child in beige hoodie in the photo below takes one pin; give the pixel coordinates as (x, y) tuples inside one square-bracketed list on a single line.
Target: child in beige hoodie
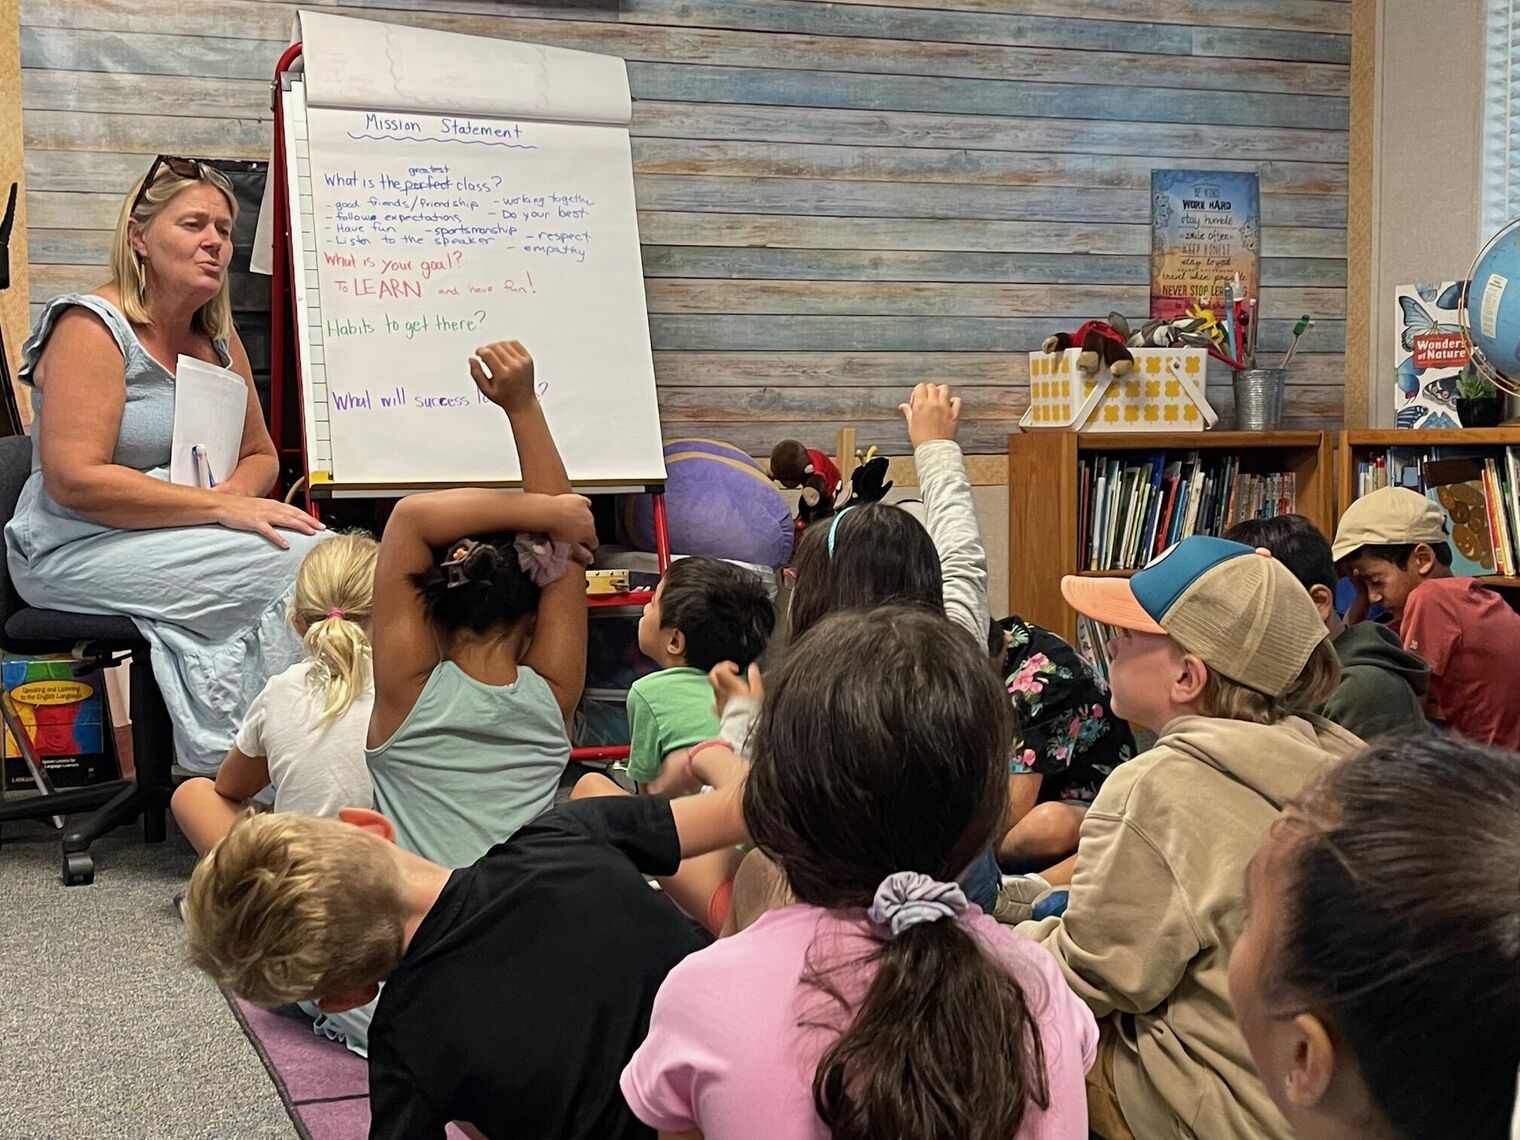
[(1218, 646)]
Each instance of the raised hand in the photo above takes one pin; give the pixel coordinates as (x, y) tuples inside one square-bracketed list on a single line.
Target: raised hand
[(503, 372), (932, 413)]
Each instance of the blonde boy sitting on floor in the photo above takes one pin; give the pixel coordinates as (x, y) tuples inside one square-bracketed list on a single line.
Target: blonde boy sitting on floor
[(1218, 650), (498, 1008)]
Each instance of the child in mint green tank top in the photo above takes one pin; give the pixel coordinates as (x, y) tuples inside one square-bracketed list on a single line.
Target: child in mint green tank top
[(479, 636)]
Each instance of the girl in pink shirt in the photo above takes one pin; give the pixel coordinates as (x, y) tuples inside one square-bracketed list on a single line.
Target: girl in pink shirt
[(880, 1003)]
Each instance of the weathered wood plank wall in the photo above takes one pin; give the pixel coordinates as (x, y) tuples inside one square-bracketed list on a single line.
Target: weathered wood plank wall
[(13, 301), (836, 199)]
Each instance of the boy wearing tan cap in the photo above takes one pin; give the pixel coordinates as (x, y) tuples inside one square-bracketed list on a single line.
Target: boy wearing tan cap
[(1394, 543), (1218, 650)]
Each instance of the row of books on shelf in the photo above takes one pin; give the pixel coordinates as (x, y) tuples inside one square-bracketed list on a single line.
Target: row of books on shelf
[(1130, 511), (1480, 493), (1401, 466), (1092, 643)]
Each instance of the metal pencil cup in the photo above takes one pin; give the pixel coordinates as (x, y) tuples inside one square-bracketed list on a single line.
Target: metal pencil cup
[(1259, 398)]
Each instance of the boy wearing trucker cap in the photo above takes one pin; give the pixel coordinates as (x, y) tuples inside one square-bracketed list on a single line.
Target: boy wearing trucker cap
[(1394, 543), (1219, 648)]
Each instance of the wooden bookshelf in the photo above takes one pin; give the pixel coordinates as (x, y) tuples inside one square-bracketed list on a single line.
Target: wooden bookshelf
[(1043, 488), (1357, 445)]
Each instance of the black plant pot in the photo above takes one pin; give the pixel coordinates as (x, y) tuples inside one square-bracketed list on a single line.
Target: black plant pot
[(1484, 411)]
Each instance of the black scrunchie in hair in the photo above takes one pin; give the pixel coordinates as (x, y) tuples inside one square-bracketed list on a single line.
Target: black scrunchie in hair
[(470, 563)]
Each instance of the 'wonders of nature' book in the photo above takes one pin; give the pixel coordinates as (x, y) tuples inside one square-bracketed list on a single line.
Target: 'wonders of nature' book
[(1429, 353)]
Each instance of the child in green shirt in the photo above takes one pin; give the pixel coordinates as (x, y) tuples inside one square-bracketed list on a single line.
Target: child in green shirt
[(704, 612)]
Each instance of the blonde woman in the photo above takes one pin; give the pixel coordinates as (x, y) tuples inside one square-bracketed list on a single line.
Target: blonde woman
[(304, 733), (204, 574)]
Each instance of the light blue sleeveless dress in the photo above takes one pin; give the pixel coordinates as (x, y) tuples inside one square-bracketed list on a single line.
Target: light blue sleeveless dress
[(210, 601)]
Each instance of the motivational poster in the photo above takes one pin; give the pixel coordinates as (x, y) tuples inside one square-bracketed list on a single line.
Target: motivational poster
[(1205, 229)]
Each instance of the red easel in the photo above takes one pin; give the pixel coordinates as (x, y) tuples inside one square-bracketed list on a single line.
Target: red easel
[(282, 308)]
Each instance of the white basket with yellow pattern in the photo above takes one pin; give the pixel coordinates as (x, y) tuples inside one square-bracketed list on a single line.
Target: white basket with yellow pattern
[(1165, 392)]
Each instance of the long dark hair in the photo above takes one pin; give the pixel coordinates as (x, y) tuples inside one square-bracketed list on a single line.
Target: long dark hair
[(487, 591), (882, 747), (881, 555), (1409, 941)]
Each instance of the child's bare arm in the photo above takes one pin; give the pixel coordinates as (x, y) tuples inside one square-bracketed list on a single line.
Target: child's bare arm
[(672, 779), (241, 777), (716, 820), (404, 648), (558, 650), (504, 374)]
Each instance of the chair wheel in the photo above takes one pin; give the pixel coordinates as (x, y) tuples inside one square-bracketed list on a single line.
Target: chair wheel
[(78, 869)]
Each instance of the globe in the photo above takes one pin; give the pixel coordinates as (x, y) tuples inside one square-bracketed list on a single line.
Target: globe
[(1491, 309)]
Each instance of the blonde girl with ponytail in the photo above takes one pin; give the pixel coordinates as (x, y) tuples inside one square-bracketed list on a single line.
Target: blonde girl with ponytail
[(304, 733)]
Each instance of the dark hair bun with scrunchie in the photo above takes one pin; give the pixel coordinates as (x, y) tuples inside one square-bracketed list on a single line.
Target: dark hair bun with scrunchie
[(477, 584)]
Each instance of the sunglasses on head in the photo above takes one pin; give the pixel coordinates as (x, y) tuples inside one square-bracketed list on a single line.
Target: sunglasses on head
[(183, 167)]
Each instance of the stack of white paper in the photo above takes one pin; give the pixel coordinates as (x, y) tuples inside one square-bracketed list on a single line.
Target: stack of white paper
[(209, 405)]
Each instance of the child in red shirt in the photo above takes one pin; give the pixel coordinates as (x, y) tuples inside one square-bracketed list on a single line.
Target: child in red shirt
[(1394, 543)]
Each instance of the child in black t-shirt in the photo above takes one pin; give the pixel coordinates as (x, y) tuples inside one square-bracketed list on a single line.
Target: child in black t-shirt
[(500, 1008)]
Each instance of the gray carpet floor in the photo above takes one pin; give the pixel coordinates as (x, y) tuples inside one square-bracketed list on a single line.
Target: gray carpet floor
[(105, 1032)]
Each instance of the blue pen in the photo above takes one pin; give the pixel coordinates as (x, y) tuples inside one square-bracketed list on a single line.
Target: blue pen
[(202, 466)]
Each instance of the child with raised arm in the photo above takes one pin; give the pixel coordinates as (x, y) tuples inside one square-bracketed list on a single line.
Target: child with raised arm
[(480, 641), (304, 733), (877, 554)]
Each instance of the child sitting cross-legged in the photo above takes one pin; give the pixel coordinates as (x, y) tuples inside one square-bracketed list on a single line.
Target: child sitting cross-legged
[(705, 611), (1220, 651), (304, 733), (499, 1008), (881, 1004)]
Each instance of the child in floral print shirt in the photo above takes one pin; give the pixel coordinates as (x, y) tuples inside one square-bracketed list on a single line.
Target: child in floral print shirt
[(1069, 740)]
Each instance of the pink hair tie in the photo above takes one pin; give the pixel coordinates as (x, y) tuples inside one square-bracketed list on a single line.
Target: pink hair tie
[(541, 558), (335, 612)]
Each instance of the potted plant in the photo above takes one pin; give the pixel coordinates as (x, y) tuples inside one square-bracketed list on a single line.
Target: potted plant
[(1478, 401)]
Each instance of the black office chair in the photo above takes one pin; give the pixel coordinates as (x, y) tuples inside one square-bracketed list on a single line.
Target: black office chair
[(94, 640)]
